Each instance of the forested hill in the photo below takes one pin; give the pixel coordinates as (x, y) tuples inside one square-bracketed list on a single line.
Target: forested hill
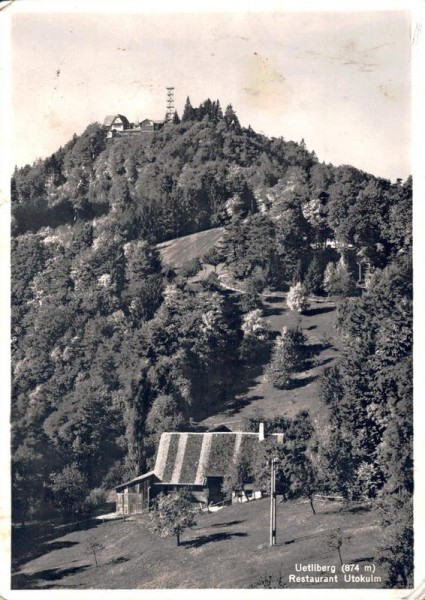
[(110, 347)]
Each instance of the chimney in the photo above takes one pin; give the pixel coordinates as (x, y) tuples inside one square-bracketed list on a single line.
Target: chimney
[(261, 435)]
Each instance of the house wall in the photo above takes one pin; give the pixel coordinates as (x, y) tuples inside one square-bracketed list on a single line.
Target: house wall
[(134, 498)]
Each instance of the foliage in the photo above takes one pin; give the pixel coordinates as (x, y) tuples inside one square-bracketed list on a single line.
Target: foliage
[(396, 551), (297, 298), (164, 415), (269, 582), (94, 546), (69, 489), (337, 280), (191, 267), (173, 514), (254, 342), (313, 280), (238, 474), (96, 498), (288, 355)]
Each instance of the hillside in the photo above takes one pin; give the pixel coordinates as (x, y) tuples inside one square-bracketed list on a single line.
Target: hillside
[(210, 555), (181, 250), (298, 311)]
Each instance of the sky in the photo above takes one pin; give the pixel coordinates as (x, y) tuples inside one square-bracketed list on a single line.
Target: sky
[(340, 81)]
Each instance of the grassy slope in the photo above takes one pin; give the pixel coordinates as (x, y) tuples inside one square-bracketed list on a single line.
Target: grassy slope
[(256, 395), (253, 394), (176, 252), (227, 549)]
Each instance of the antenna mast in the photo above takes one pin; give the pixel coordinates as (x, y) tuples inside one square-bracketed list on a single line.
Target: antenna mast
[(170, 105)]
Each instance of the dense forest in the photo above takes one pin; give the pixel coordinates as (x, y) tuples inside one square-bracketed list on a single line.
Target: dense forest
[(110, 347)]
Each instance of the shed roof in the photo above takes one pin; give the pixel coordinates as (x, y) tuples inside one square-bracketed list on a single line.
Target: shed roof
[(135, 480)]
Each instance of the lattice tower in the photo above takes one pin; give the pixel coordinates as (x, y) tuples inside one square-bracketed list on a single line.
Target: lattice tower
[(170, 104)]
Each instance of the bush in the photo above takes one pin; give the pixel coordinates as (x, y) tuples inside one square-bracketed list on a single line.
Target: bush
[(249, 301), (297, 298), (191, 267), (213, 257), (96, 498)]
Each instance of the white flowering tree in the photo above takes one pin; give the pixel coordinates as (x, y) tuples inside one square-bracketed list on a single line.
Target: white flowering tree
[(255, 336), (297, 298)]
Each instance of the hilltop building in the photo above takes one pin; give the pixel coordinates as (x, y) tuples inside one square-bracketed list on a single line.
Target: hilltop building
[(118, 125), (195, 461)]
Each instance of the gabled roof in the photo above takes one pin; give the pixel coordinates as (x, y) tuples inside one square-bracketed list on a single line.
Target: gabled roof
[(188, 458), (111, 118)]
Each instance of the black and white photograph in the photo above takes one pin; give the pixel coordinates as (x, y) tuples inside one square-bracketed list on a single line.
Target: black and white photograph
[(211, 300)]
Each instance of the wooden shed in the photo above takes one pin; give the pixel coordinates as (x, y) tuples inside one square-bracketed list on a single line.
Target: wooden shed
[(134, 496)]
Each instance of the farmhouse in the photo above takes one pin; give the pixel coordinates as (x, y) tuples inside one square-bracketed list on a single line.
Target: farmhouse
[(197, 461)]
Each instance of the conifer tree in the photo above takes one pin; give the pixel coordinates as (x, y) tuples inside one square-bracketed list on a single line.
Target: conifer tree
[(189, 111), (288, 355), (231, 118)]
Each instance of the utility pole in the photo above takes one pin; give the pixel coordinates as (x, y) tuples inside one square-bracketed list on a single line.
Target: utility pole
[(273, 502)]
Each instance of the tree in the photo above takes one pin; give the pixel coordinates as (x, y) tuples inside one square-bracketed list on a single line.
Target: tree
[(164, 415), (255, 337), (238, 474), (337, 279), (313, 280), (396, 550), (93, 547), (297, 298), (188, 111), (303, 476), (69, 489), (334, 540), (173, 514), (230, 117), (288, 354)]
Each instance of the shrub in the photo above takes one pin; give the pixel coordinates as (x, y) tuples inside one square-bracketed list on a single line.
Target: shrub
[(96, 498), (191, 267)]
